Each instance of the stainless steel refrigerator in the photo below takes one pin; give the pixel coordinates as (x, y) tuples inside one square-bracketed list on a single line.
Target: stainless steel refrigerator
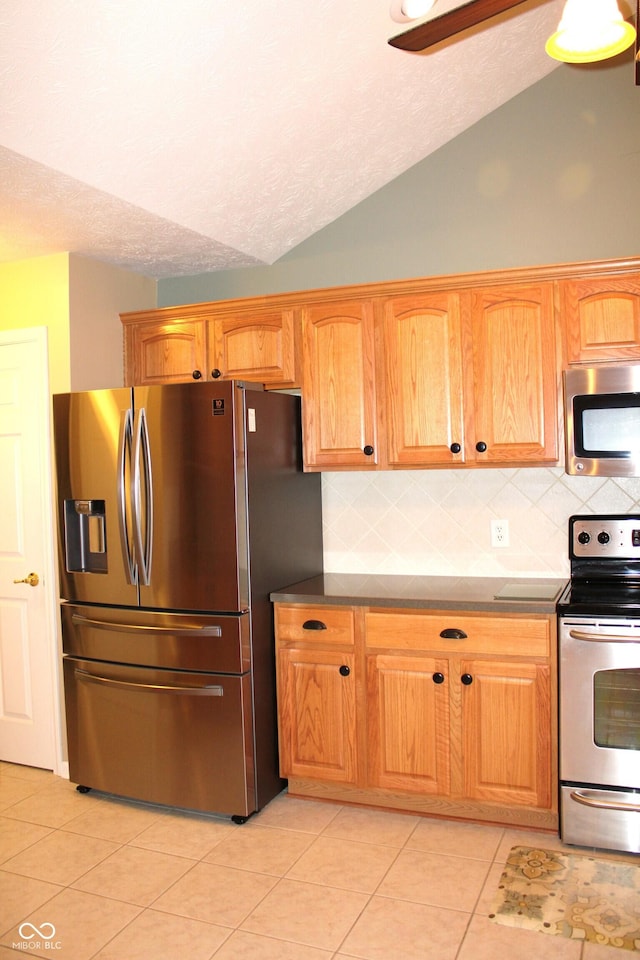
[(181, 507)]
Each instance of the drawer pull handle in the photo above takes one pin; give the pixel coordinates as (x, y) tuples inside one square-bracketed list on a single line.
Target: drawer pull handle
[(314, 625), (212, 690), (438, 678), (453, 633), (603, 804)]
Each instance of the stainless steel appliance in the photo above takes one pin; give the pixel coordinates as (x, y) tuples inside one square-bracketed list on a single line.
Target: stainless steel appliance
[(599, 667), (181, 508), (602, 420)]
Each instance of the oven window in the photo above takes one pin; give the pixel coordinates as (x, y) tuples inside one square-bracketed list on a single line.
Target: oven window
[(617, 709)]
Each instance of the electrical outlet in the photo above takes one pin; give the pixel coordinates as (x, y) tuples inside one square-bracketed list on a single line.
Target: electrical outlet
[(499, 533)]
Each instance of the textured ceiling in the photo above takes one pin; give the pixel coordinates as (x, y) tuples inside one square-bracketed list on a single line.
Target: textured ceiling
[(179, 138)]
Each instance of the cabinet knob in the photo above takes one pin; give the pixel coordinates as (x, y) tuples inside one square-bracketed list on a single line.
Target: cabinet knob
[(466, 678), (216, 374), (455, 448), (453, 633), (196, 375), (481, 446), (368, 450), (438, 678), (345, 670), (314, 625)]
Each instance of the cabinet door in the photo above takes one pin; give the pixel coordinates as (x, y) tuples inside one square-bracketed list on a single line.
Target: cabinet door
[(515, 380), (423, 379), (166, 352), (317, 714), (339, 404), (506, 731), (408, 723), (601, 317), (256, 346)]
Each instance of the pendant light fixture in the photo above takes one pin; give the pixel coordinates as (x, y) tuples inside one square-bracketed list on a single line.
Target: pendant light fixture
[(590, 30)]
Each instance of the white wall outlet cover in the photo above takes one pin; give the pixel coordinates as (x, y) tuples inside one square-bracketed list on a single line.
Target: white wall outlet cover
[(499, 533)]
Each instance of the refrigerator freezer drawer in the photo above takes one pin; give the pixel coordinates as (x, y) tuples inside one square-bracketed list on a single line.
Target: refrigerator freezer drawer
[(177, 641), (162, 736)]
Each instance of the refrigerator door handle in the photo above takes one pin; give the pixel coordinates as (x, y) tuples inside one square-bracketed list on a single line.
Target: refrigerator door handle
[(213, 690), (142, 498), (125, 440), (210, 631)]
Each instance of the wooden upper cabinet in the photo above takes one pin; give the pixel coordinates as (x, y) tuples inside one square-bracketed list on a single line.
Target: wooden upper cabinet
[(339, 396), (601, 318), (421, 353), (514, 413), (256, 346), (165, 352)]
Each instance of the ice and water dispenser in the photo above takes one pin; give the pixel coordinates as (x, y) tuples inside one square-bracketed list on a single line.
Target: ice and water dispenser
[(85, 536)]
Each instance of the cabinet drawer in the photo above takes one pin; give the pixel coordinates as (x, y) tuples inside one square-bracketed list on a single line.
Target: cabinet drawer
[(324, 625), (420, 631)]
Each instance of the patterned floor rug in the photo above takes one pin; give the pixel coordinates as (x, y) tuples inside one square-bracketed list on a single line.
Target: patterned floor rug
[(582, 897)]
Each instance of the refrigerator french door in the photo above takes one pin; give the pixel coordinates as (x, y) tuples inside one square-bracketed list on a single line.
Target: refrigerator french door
[(180, 509)]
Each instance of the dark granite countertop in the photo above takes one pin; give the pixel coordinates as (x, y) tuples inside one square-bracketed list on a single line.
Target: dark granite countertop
[(484, 594)]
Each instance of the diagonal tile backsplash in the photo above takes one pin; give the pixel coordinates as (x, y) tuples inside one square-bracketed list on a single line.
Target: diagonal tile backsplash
[(438, 522)]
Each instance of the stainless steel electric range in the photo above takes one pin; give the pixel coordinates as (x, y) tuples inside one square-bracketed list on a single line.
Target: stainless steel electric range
[(599, 670)]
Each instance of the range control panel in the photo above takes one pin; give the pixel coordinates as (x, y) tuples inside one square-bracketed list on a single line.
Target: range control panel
[(600, 537)]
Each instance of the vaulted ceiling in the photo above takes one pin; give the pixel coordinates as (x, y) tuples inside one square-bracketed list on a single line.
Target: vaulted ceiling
[(180, 138)]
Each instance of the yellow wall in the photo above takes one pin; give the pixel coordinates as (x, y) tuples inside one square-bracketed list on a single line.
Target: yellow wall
[(35, 293), (79, 300)]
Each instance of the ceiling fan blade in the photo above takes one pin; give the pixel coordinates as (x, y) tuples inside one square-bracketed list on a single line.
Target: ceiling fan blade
[(450, 23)]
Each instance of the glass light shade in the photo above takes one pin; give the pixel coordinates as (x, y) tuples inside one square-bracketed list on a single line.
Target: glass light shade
[(590, 30), (416, 8), (404, 10)]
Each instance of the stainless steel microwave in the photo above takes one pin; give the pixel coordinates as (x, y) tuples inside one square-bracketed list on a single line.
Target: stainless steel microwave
[(602, 420)]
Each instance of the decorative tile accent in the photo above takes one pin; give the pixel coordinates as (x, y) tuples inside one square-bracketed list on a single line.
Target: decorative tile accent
[(438, 522)]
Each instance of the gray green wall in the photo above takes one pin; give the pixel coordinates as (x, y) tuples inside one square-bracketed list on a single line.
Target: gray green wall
[(552, 176)]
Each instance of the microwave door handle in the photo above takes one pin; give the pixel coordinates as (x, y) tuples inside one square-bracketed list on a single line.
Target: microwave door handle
[(143, 533), (603, 637), (124, 513)]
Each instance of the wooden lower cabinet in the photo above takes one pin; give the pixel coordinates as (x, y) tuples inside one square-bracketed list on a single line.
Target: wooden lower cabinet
[(506, 757), (317, 714), (460, 725), (404, 700)]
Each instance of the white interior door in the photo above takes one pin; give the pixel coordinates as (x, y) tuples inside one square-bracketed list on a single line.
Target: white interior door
[(29, 727)]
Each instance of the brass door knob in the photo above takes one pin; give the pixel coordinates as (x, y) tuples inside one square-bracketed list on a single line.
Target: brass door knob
[(32, 579)]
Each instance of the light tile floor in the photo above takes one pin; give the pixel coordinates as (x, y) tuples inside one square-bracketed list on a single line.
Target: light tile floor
[(301, 880)]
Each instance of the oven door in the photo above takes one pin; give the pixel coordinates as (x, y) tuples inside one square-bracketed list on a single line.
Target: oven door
[(600, 701)]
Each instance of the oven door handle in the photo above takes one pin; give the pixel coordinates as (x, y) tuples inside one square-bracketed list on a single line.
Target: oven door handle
[(603, 637), (604, 804)]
